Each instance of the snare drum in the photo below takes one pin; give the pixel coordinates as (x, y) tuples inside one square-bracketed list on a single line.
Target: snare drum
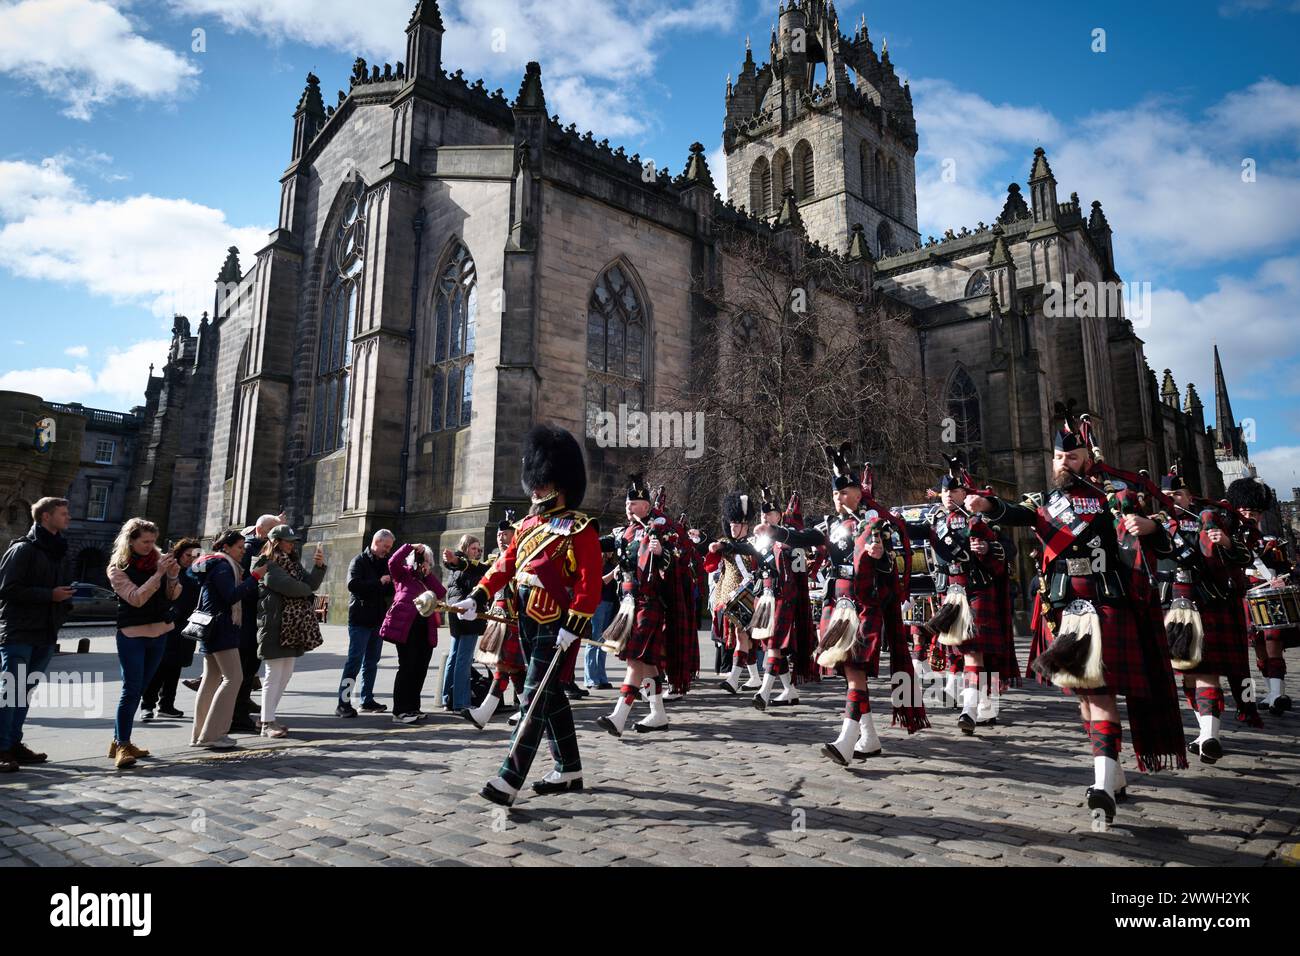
[(1273, 607), (740, 608)]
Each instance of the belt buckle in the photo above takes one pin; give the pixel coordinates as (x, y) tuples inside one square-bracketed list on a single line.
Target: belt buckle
[(845, 569), (1078, 567)]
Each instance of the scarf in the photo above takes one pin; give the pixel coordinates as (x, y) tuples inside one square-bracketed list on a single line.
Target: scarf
[(200, 567), (145, 562)]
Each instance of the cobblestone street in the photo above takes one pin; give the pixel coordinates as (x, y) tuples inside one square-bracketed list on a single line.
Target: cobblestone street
[(726, 784)]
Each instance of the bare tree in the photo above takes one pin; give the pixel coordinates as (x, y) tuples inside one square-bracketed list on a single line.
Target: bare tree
[(797, 352)]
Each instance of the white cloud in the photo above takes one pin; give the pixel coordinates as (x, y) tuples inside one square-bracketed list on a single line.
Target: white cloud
[(1278, 467), (77, 351), (594, 53), (119, 383), (86, 53), (147, 250), (24, 185), (718, 167)]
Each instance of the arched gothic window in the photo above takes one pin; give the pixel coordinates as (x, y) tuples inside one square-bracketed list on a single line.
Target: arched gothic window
[(963, 401), (884, 239), (805, 181), (782, 177), (978, 284), (455, 314), (760, 187), (616, 346), (341, 303)]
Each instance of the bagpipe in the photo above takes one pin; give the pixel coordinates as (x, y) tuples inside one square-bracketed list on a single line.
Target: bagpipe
[(954, 620)]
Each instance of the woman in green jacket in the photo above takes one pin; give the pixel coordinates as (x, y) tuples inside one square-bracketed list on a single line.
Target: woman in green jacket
[(286, 617)]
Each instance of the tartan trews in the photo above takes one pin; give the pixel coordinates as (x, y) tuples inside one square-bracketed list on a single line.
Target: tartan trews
[(553, 716)]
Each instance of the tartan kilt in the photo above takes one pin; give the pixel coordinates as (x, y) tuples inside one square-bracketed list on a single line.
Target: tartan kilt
[(646, 642), (865, 653), (727, 634), (512, 659), (783, 636), (991, 625), (1121, 649), (1224, 649)]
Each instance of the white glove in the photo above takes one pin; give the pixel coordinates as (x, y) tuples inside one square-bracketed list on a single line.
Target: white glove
[(467, 609), (564, 639)]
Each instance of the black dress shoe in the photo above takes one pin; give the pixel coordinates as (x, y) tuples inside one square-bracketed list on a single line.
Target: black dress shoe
[(759, 702), (469, 715), (1101, 800), (543, 788), (966, 723), (859, 755), (493, 795), (345, 710), (729, 687), (987, 722), (373, 707), (604, 723), (170, 712), (605, 686), (1209, 752), (1280, 705), (574, 692), (192, 683), (244, 726), (829, 750)]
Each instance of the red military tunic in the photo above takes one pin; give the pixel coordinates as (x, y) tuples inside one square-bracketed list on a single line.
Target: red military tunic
[(557, 556)]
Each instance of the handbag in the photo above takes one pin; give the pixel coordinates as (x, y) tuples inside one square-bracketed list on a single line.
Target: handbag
[(196, 628)]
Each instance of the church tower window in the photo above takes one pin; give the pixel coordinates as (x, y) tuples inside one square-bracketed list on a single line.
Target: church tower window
[(978, 284), (616, 346), (805, 184), (760, 188), (338, 324), (455, 315)]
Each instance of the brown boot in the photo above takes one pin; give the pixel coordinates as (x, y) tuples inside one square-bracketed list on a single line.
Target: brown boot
[(24, 754), (135, 751), (112, 750), (124, 757)]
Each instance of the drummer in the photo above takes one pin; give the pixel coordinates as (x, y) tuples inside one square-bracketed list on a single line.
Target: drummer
[(1202, 582), (1252, 499)]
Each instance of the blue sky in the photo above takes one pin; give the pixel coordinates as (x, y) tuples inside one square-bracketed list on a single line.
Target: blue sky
[(134, 151)]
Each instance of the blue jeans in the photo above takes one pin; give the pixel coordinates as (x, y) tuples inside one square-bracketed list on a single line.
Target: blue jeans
[(139, 658), (364, 649), (33, 660), (455, 672), (593, 664)]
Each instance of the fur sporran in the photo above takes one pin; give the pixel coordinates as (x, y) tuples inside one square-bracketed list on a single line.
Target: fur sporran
[(760, 627), (954, 622), (836, 644), (1074, 658), (619, 629), (489, 645), (1186, 634)]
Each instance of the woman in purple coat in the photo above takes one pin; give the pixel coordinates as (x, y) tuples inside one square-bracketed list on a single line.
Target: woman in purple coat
[(411, 568)]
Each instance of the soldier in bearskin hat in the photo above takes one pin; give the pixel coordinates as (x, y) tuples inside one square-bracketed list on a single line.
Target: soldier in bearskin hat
[(1097, 628), (1269, 567), (1202, 585), (554, 561), (735, 564), (862, 611), (972, 629), (644, 632)]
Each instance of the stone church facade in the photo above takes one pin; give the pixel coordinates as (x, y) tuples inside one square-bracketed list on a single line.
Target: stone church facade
[(450, 266)]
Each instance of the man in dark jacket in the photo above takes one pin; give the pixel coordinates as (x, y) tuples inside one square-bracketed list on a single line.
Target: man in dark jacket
[(370, 590), (34, 596), (254, 539)]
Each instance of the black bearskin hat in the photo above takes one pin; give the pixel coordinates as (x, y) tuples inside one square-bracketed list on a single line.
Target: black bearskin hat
[(508, 522), (552, 457), (637, 489), (737, 507), (1249, 493)]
